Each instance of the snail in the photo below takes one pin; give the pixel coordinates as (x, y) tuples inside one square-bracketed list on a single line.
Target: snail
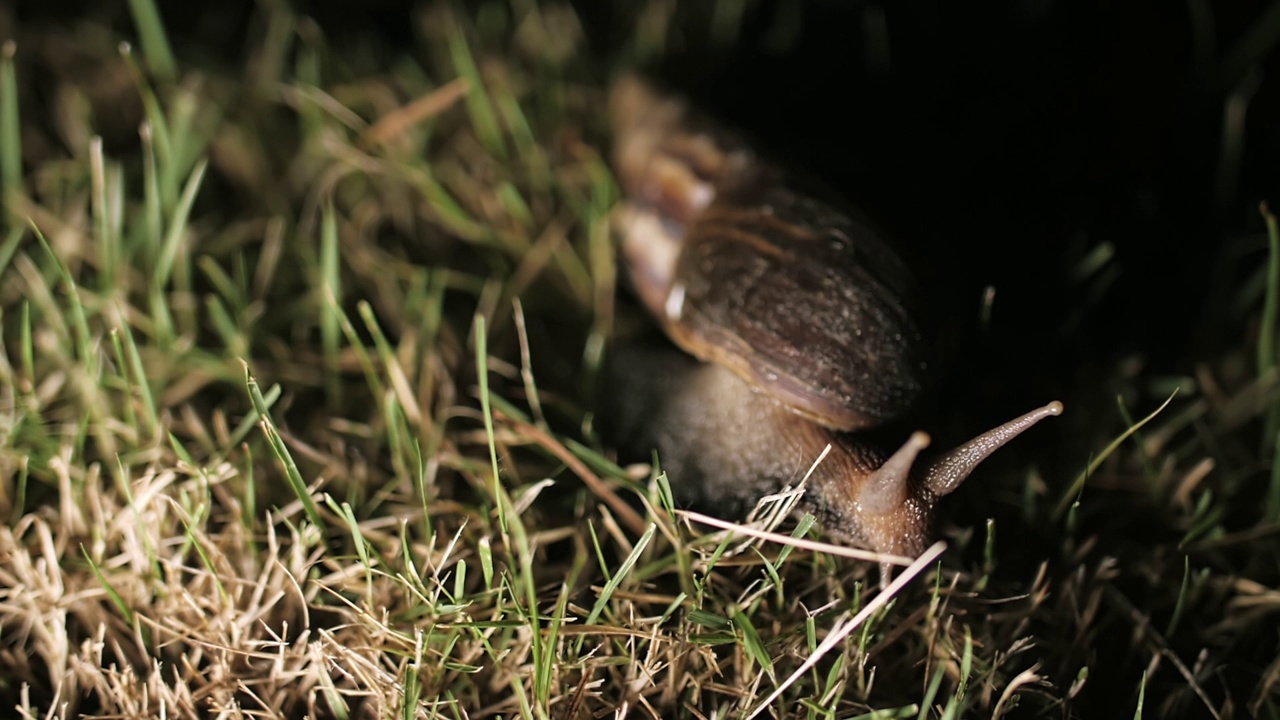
[(798, 329)]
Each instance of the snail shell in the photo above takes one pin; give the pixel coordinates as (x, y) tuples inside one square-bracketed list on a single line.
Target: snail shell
[(805, 320), (795, 296)]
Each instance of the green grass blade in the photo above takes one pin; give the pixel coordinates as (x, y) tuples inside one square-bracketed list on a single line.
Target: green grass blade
[(478, 105), (524, 582), (752, 642), (627, 565), (10, 135), (330, 324), (193, 541), (10, 246), (361, 545), (79, 322), (485, 550), (150, 414), (412, 690), (20, 492), (180, 450), (172, 243), (333, 698), (27, 347), (227, 288), (482, 372), (225, 327), (1069, 497), (106, 201), (1273, 491), (157, 129), (706, 619), (447, 209), (1176, 616), (249, 499), (296, 483), (155, 43), (1271, 306), (1252, 48), (152, 199), (112, 594), (1267, 355), (1142, 695), (376, 388)]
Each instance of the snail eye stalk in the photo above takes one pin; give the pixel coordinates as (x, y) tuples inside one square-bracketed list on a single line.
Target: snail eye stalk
[(946, 473), (886, 489)]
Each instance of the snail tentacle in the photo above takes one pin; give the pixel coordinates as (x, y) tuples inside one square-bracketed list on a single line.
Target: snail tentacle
[(886, 489), (946, 473)]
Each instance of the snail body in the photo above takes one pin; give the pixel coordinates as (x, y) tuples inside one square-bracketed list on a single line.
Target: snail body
[(804, 319)]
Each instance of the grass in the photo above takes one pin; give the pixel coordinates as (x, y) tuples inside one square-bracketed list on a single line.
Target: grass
[(274, 440)]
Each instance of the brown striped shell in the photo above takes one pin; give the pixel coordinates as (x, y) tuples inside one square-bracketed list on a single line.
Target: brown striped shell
[(807, 303)]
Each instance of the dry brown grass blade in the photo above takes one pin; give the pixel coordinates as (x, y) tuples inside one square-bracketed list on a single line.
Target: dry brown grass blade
[(393, 124), (828, 548), (842, 631)]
